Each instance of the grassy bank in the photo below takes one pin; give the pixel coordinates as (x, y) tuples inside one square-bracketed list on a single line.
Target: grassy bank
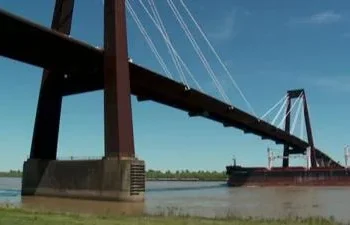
[(25, 217)]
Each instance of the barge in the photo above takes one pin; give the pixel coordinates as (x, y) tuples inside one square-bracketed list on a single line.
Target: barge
[(288, 176), (320, 169)]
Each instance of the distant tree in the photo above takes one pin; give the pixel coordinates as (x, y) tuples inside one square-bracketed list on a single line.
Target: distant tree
[(201, 175)]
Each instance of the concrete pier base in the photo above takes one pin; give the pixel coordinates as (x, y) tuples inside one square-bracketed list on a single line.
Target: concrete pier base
[(105, 179)]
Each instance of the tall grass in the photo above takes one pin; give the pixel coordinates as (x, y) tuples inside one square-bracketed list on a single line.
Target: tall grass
[(171, 216)]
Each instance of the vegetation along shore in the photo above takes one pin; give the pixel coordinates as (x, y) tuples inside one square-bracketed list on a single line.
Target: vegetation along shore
[(24, 217), (157, 175)]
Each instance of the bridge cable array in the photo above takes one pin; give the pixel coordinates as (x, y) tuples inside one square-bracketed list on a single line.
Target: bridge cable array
[(280, 110), (218, 57), (148, 40), (283, 108), (198, 51), (288, 112), (167, 40), (180, 65), (158, 22), (156, 19), (297, 115), (154, 15), (273, 107)]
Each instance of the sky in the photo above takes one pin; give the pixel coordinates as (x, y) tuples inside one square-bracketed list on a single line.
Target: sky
[(268, 46)]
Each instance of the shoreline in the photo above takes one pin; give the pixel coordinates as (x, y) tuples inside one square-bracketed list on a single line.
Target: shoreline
[(185, 179), (158, 179), (19, 216)]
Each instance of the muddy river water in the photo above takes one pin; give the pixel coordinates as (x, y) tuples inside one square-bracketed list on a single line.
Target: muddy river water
[(207, 199)]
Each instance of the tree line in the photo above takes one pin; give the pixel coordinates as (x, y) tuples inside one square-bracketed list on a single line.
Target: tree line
[(160, 175), (186, 174), (11, 173)]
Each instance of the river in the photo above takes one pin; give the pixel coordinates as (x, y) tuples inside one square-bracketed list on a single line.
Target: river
[(206, 199)]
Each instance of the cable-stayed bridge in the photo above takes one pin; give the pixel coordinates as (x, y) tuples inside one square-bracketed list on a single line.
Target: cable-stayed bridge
[(73, 67), (34, 44)]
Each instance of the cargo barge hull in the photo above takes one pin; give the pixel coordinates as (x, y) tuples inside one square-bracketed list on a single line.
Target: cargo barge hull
[(290, 176)]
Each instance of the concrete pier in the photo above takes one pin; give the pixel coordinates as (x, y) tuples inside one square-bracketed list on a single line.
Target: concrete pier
[(106, 179), (119, 176)]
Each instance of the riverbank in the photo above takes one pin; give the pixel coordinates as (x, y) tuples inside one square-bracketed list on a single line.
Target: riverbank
[(151, 179), (11, 174), (184, 179), (26, 217), (155, 175)]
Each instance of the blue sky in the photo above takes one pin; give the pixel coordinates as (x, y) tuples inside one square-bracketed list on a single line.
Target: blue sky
[(269, 47)]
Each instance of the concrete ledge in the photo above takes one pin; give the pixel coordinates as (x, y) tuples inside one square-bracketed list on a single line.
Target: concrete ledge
[(106, 179)]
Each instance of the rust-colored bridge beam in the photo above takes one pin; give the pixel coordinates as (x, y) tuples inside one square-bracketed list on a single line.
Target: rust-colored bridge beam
[(47, 120)]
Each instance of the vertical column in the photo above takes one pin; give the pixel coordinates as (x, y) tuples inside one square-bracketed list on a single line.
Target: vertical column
[(119, 140), (309, 132), (346, 156), (287, 129), (269, 158), (308, 158), (47, 120)]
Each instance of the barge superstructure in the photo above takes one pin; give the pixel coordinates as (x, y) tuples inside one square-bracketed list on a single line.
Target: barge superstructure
[(289, 176), (320, 169)]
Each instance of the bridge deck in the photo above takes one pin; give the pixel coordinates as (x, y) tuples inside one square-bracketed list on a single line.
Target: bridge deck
[(37, 45)]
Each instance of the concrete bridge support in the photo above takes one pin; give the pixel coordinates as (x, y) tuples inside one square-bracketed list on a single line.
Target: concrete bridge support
[(117, 176)]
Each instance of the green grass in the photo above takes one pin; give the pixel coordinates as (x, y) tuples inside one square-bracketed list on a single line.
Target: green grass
[(16, 216)]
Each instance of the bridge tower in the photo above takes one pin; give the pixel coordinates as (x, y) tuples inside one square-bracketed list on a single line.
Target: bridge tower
[(118, 175), (293, 94)]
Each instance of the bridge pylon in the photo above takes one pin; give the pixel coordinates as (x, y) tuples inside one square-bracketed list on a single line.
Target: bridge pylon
[(118, 175), (293, 94)]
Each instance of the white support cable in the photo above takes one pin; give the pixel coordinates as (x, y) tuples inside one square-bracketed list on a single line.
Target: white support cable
[(285, 116), (302, 119), (197, 49), (279, 111), (149, 41), (217, 56), (158, 19), (273, 107), (296, 116), (287, 113), (172, 47)]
